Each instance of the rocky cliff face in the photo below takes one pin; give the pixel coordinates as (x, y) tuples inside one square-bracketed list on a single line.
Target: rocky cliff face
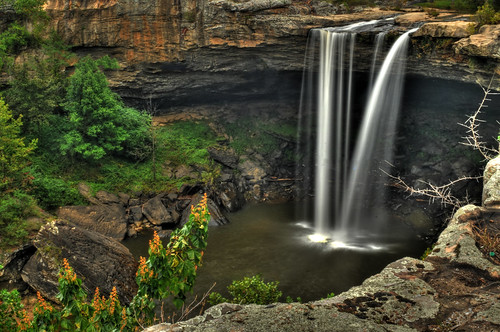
[(177, 49), (181, 48)]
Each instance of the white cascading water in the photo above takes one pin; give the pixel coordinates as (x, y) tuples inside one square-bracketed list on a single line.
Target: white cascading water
[(343, 183)]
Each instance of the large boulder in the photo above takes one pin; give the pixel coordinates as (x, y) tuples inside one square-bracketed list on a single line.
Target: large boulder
[(458, 29), (491, 187), (13, 263), (216, 216), (252, 171), (230, 197), (109, 220), (484, 44), (98, 260), (156, 212), (224, 156)]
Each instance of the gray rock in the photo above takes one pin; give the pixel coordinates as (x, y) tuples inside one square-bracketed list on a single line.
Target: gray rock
[(109, 220), (86, 192), (13, 263), (230, 197), (98, 260), (457, 243), (124, 198), (156, 212), (172, 196), (224, 156), (216, 216), (107, 198), (184, 171), (252, 171), (226, 177), (252, 5), (491, 187), (135, 213)]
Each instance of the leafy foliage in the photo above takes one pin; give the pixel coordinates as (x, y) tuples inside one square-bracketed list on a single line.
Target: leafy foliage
[(14, 153), (99, 122), (249, 290), (169, 271), (37, 87), (15, 208), (486, 14), (10, 310)]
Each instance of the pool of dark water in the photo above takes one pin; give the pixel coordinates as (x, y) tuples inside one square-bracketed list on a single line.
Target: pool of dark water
[(269, 240)]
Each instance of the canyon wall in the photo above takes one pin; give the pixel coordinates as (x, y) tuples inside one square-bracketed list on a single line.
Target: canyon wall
[(175, 49)]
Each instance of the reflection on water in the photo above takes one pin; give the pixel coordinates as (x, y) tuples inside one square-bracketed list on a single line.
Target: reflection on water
[(267, 239)]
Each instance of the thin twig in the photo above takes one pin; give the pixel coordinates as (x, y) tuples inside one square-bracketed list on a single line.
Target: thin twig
[(194, 304)]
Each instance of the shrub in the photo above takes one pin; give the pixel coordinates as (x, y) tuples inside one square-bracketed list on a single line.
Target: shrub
[(15, 208), (52, 192), (486, 14), (249, 290)]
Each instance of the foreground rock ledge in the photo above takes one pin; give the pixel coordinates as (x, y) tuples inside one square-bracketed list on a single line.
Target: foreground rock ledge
[(455, 287)]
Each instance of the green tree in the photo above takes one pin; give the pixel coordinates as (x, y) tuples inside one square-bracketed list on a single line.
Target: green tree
[(100, 123), (36, 91), (14, 152)]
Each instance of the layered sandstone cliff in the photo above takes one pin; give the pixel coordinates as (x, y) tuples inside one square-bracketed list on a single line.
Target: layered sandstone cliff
[(174, 49)]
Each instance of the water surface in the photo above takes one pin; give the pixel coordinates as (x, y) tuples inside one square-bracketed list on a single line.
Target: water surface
[(268, 240)]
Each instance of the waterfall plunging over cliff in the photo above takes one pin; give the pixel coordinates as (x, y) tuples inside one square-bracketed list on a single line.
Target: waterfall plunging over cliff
[(343, 170)]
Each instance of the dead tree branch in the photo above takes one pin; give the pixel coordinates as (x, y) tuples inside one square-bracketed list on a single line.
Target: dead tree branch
[(186, 310), (434, 193), (473, 138)]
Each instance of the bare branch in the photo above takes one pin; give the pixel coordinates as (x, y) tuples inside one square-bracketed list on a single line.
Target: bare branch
[(434, 193), (473, 138), (193, 305)]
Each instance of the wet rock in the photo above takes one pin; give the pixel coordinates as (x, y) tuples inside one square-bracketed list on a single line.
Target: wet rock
[(156, 212), (217, 218), (230, 198), (224, 156), (109, 220), (98, 260), (131, 231), (107, 198)]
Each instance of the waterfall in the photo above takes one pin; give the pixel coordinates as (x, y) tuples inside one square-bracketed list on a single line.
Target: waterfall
[(348, 186), (379, 42)]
